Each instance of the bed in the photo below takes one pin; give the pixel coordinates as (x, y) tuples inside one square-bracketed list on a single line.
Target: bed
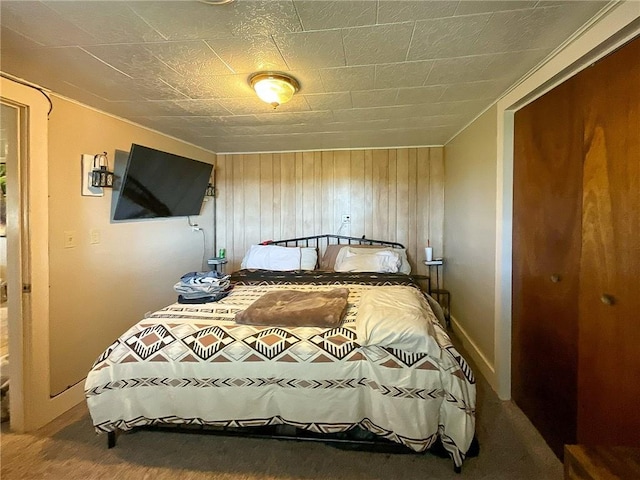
[(203, 365)]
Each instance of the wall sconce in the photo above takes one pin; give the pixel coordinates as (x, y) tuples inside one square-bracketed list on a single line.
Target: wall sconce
[(100, 175), (274, 88)]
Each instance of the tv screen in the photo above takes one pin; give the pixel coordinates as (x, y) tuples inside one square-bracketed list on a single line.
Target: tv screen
[(160, 184)]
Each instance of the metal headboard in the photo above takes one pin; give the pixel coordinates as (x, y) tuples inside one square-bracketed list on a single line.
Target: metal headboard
[(330, 239)]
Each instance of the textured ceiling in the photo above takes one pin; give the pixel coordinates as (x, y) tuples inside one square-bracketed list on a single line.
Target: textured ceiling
[(373, 73)]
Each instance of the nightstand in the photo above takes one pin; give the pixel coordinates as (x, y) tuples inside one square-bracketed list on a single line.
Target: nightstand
[(217, 264), (442, 296), (422, 278)]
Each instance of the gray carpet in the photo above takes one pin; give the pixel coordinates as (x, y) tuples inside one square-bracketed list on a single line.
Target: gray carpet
[(68, 448)]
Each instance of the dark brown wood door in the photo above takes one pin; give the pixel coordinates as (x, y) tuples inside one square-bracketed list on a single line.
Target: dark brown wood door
[(609, 359), (546, 255)]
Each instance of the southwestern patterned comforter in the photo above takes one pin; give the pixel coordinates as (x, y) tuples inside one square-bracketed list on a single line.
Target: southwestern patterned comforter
[(192, 364)]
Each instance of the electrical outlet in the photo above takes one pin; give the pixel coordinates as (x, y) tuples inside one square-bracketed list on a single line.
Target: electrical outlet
[(346, 218), (69, 238), (94, 236)]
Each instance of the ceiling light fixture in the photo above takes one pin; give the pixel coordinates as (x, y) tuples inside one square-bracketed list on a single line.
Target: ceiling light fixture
[(274, 88)]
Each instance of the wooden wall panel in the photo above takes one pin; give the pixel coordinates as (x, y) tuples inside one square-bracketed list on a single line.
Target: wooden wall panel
[(356, 194), (402, 193), (390, 194), (414, 210), (392, 227), (423, 179), (266, 197), (434, 227)]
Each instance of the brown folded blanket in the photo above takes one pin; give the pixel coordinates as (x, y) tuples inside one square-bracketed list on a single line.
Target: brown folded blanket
[(291, 308)]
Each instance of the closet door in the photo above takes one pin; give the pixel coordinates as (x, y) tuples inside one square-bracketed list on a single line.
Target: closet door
[(609, 359), (546, 255)]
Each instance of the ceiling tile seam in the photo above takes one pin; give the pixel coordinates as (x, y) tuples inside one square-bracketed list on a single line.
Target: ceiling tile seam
[(147, 23), (525, 50), (63, 19), (102, 61), (344, 50), (21, 35), (395, 98), (426, 78), (520, 9), (174, 89), (413, 31), (169, 67), (362, 27), (284, 59), (486, 23), (455, 12), (441, 94), (295, 9), (206, 42)]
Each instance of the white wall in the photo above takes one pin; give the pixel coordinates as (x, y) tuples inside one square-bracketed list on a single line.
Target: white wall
[(470, 236), (97, 291)]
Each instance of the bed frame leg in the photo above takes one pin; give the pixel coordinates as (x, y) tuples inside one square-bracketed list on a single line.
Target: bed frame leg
[(111, 439)]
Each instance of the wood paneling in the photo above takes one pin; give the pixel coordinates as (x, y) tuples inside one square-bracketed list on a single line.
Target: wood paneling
[(546, 242), (608, 380), (390, 194)]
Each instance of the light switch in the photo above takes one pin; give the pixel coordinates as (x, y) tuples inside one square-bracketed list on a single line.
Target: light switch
[(69, 238), (94, 236)]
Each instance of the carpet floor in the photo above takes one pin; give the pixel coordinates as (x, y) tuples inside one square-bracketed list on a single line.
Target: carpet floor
[(68, 448)]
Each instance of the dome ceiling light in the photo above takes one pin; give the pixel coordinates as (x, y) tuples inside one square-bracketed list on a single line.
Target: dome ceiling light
[(274, 88)]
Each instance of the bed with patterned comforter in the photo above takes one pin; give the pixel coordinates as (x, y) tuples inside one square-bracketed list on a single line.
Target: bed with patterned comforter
[(193, 364)]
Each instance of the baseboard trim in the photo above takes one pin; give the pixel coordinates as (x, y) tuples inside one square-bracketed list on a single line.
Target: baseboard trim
[(481, 361)]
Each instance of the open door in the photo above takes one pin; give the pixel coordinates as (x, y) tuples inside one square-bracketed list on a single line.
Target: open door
[(31, 405)]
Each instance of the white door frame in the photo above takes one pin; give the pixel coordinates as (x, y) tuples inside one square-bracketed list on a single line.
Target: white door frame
[(31, 405)]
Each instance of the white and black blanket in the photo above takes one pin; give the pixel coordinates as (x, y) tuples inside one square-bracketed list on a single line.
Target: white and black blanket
[(193, 364)]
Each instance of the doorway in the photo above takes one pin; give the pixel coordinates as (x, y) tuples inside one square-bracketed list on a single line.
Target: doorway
[(9, 131)]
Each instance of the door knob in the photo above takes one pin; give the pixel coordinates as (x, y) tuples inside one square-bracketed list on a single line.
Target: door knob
[(607, 299), (555, 278)]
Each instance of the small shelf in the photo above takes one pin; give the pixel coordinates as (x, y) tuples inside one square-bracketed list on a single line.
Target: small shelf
[(435, 261), (217, 263), (442, 296)]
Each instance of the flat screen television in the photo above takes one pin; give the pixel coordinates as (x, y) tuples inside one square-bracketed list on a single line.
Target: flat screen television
[(158, 184)]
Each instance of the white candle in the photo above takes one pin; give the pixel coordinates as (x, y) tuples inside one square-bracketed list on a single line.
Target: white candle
[(428, 254)]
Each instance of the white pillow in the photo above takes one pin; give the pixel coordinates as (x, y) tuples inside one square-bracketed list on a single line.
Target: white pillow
[(367, 260), (396, 317), (272, 257), (402, 252), (308, 258)]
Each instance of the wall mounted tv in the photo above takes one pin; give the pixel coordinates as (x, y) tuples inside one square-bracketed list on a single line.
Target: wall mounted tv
[(158, 184)]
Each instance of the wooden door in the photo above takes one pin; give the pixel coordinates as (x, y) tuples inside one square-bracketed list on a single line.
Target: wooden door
[(609, 359), (546, 252)]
